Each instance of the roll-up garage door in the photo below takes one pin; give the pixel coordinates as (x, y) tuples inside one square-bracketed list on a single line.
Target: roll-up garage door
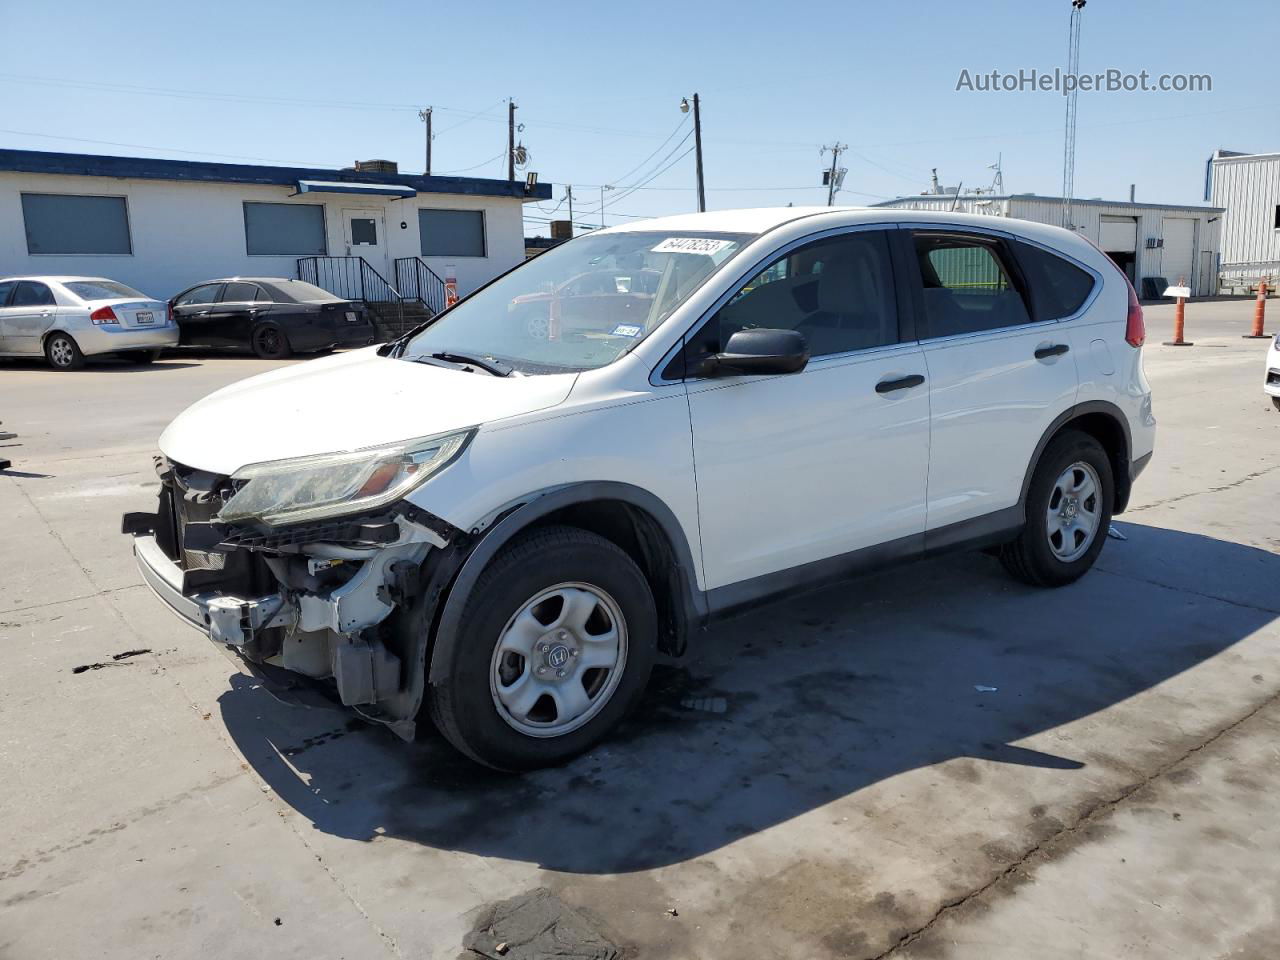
[(1178, 258), (1118, 234)]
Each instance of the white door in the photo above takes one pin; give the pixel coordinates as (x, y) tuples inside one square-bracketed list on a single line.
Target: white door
[(365, 236), (996, 379), (1177, 257), (806, 466)]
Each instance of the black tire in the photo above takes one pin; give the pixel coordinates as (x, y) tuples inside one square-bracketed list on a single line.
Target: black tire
[(62, 352), (142, 356), (269, 342), (1275, 402), (1030, 558), (463, 707)]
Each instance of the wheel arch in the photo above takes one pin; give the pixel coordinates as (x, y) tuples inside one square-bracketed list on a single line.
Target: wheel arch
[(1106, 423), (637, 521)]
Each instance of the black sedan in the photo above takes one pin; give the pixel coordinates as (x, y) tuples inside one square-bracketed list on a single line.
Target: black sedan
[(272, 316)]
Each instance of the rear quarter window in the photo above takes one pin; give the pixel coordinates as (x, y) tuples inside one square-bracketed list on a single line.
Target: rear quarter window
[(1058, 287)]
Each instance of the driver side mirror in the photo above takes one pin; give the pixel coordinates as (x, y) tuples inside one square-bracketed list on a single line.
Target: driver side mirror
[(758, 352)]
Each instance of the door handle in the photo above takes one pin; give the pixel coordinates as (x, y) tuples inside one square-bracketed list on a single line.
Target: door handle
[(1057, 350), (901, 383), (202, 313)]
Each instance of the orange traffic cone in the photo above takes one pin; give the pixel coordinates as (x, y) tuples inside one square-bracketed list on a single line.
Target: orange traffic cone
[(1179, 323), (1259, 312)]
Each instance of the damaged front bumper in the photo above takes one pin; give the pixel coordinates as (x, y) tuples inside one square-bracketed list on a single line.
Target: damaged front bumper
[(328, 602)]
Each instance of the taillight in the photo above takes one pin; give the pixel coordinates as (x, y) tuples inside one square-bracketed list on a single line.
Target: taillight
[(103, 315), (1135, 330), (169, 315)]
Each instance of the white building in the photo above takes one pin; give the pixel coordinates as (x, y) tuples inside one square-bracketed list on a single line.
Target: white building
[(163, 225), (1144, 239), (1248, 186)]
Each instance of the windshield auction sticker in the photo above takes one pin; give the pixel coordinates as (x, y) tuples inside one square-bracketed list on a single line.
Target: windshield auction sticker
[(703, 245)]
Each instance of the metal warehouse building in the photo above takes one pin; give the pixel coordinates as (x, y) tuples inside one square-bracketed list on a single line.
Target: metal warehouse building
[(1248, 186), (1144, 239), (366, 233)]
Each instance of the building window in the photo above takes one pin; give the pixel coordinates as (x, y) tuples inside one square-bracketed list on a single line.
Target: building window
[(451, 233), (284, 229), (67, 223)]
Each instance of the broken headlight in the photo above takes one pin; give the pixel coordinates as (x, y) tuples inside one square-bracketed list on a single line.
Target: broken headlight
[(335, 484)]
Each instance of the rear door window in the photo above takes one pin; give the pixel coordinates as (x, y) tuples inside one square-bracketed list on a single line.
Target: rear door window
[(5, 289), (32, 294), (968, 285), (240, 293), (1058, 287)]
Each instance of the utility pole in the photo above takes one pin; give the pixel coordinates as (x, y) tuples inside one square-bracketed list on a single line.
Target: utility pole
[(568, 192), (511, 139), (425, 117), (697, 152), (697, 146), (603, 188), (836, 149)]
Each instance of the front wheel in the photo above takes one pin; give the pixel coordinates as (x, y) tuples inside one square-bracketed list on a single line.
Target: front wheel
[(555, 647), (1069, 506)]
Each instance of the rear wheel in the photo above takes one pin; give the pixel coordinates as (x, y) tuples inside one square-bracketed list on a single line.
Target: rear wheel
[(143, 356), (270, 343), (555, 647), (63, 353), (1069, 506), (1275, 402)]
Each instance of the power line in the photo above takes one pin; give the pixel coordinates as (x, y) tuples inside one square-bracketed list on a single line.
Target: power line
[(143, 146)]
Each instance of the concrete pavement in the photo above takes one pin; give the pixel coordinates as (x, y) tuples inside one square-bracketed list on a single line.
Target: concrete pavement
[(859, 796)]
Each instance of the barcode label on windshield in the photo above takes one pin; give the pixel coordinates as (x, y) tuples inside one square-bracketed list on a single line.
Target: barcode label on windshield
[(703, 245)]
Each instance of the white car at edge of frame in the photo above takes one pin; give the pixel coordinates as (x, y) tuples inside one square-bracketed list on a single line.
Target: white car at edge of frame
[(1271, 372), (500, 530), (65, 319)]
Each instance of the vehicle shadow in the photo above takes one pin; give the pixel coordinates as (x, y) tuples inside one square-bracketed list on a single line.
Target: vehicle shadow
[(781, 711), (101, 364)]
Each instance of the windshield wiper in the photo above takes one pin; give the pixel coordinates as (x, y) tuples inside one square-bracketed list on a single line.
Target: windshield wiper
[(487, 364)]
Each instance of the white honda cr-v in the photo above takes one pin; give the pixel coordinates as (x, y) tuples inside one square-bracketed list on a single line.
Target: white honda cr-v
[(502, 517)]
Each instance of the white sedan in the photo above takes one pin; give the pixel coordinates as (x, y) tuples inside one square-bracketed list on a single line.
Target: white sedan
[(1271, 381), (66, 319)]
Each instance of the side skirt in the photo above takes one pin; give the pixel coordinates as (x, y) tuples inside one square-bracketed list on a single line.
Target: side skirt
[(987, 530)]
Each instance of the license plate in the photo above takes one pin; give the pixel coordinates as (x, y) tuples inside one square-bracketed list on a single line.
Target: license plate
[(351, 317), (144, 316)]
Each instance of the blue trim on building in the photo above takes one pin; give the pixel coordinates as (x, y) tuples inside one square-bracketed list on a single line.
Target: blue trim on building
[(199, 171)]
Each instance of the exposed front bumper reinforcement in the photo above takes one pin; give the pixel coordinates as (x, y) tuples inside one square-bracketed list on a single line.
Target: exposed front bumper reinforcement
[(225, 619)]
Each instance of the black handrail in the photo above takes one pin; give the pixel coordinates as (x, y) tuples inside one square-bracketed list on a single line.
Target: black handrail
[(348, 277), (419, 282)]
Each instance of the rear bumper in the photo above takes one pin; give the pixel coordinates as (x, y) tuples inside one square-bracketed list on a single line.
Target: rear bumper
[(346, 335), (95, 340)]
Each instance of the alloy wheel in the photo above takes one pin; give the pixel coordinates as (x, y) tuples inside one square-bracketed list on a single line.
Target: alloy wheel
[(61, 352)]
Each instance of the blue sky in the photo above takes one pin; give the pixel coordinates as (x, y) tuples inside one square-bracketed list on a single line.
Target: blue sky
[(598, 87)]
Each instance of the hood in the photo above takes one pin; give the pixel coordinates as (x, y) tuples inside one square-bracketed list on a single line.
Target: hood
[(345, 402)]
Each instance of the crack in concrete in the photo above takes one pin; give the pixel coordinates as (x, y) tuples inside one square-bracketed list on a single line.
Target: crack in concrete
[(386, 938), (1195, 593), (1196, 493), (1096, 812), (87, 596)]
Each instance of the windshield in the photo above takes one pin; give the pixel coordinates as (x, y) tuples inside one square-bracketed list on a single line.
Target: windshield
[(101, 290), (580, 305)]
